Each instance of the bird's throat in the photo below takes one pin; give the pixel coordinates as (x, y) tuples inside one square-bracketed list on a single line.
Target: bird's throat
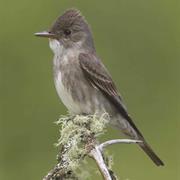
[(56, 47)]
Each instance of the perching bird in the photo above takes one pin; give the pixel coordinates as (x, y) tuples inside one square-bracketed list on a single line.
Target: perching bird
[(82, 81)]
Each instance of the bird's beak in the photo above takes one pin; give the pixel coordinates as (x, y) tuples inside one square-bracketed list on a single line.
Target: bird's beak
[(45, 34)]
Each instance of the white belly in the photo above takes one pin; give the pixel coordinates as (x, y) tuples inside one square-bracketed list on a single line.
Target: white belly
[(66, 97)]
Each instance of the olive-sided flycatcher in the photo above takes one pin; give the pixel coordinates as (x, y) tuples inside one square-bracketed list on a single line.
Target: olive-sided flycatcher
[(82, 81)]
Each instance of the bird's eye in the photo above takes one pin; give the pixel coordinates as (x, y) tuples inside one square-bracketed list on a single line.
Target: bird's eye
[(67, 32)]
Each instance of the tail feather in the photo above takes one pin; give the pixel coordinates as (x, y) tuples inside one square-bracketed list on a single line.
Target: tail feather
[(148, 150)]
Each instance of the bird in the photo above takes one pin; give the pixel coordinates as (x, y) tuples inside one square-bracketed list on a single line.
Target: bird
[(82, 81)]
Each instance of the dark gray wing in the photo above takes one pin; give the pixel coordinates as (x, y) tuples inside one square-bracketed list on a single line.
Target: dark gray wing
[(98, 76)]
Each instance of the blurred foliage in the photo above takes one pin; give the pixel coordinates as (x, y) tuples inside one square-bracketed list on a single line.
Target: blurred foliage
[(139, 43)]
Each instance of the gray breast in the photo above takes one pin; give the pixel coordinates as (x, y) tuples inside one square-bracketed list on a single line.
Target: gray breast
[(77, 94)]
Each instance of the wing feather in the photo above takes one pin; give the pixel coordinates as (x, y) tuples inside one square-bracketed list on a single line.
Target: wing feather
[(99, 77), (97, 74)]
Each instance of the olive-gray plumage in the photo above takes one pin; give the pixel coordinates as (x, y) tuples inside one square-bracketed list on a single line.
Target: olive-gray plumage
[(82, 81)]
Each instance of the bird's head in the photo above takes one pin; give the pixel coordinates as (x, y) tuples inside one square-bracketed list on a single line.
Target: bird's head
[(70, 30)]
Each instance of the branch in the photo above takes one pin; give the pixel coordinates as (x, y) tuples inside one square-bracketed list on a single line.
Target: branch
[(78, 140), (97, 156), (116, 141)]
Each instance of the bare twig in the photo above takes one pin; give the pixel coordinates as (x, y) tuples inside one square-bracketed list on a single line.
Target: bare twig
[(117, 141), (97, 156)]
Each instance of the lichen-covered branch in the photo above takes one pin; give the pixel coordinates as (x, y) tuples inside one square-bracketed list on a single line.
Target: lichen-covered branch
[(78, 139)]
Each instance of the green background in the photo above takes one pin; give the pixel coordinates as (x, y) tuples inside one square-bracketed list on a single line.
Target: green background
[(139, 43)]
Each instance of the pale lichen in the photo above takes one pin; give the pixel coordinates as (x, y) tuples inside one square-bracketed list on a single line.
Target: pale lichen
[(74, 135)]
